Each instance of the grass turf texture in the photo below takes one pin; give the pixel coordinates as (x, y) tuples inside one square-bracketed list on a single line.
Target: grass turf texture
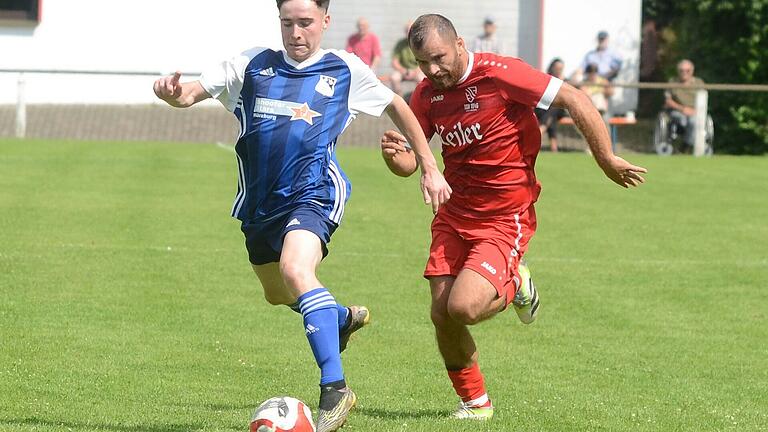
[(127, 303)]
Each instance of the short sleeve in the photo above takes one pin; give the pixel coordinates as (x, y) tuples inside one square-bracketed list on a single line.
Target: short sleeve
[(521, 83), (420, 108), (224, 81), (366, 94)]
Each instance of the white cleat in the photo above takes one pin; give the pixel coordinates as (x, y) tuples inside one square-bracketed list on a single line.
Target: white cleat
[(469, 412), (526, 301)]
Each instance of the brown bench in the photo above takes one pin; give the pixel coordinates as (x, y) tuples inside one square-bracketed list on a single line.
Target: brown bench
[(613, 125)]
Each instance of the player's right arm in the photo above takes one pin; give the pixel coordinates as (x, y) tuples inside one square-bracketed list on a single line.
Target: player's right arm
[(179, 95)]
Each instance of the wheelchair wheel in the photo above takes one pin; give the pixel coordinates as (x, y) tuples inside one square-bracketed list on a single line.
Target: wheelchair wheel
[(661, 141)]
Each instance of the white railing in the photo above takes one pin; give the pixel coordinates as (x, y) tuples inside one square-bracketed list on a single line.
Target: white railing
[(21, 96), (701, 95)]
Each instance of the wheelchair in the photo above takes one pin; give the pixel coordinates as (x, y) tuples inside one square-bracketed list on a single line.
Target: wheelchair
[(668, 136)]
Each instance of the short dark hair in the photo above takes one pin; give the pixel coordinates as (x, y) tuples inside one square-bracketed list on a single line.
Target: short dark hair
[(555, 61), (322, 4), (424, 25)]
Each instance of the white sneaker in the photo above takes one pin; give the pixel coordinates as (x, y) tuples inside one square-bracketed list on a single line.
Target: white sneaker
[(526, 301), (466, 411)]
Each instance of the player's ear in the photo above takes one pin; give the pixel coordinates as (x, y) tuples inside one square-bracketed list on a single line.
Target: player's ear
[(460, 43), (326, 21)]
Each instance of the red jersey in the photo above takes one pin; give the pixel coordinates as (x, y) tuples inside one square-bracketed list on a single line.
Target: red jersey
[(489, 133)]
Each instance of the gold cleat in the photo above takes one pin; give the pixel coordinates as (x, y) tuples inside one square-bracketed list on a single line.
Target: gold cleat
[(360, 318), (333, 419)]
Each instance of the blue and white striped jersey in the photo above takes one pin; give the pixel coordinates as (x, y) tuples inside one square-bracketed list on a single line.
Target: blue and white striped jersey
[(290, 116)]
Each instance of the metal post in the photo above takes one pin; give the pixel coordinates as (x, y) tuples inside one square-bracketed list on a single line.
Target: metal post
[(21, 108), (700, 137)]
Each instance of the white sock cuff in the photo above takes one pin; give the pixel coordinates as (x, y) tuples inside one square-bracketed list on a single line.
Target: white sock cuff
[(482, 400)]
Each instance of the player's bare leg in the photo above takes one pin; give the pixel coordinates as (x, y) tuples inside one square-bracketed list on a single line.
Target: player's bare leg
[(473, 299), (456, 345), (275, 291), (457, 303)]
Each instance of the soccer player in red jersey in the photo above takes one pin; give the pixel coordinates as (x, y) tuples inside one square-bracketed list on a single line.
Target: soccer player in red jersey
[(481, 105)]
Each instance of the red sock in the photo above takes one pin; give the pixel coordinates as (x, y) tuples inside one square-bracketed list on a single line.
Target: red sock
[(470, 385)]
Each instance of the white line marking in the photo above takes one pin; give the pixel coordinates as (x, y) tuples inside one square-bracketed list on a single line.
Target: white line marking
[(596, 261), (227, 147)]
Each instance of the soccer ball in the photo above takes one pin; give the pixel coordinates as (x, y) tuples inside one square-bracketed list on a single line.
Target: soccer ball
[(282, 414)]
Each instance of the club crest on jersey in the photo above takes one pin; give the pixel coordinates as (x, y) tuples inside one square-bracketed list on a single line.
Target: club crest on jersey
[(326, 85), (471, 93)]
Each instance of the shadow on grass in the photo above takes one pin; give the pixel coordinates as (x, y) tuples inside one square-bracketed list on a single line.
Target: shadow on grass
[(47, 424), (386, 414)]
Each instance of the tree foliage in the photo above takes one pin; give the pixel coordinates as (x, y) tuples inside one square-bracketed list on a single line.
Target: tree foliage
[(728, 42)]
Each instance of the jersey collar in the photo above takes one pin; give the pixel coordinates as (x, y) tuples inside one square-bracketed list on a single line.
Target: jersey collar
[(306, 63), (470, 64)]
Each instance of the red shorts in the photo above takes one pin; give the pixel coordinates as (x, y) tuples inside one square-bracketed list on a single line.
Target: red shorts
[(491, 248)]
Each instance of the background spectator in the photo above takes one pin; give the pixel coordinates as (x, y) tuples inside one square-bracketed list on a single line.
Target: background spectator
[(488, 42), (404, 64), (365, 44), (681, 103), (597, 88), (548, 118), (608, 62)]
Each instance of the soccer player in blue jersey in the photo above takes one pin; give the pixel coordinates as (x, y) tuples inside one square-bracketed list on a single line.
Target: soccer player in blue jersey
[(292, 105)]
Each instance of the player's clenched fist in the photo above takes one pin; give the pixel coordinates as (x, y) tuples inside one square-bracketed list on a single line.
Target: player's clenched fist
[(392, 143), (397, 154)]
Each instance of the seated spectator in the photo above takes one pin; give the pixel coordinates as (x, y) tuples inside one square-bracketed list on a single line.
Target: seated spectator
[(365, 44), (681, 102), (548, 118), (488, 42), (608, 62), (404, 64), (597, 88)]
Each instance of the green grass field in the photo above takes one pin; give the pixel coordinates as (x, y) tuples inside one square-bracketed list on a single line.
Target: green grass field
[(127, 303)]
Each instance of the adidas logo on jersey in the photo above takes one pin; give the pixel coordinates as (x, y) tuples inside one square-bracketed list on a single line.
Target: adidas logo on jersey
[(293, 222), (267, 72), (311, 329)]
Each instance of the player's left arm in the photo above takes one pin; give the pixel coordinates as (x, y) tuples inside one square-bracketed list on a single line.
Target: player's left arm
[(590, 123)]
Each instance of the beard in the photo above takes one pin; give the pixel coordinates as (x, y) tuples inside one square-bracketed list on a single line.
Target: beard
[(448, 79)]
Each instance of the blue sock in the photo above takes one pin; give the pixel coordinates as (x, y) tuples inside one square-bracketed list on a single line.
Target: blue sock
[(321, 318), (343, 313)]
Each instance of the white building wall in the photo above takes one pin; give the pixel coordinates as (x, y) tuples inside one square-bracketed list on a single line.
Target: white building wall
[(388, 19), (165, 35), (136, 35)]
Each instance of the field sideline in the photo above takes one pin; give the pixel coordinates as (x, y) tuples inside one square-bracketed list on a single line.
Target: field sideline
[(127, 303)]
